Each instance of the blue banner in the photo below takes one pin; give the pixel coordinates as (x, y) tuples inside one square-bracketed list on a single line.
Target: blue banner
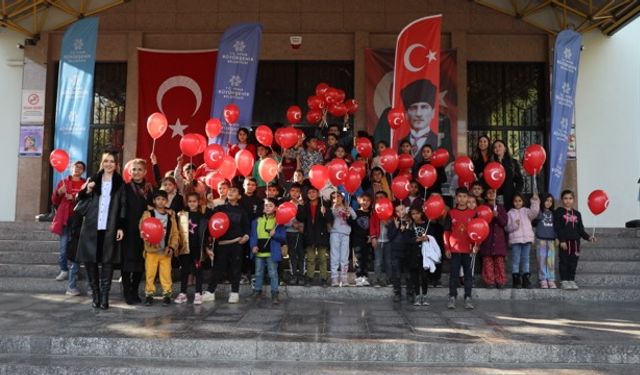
[(235, 81), (75, 90), (563, 93)]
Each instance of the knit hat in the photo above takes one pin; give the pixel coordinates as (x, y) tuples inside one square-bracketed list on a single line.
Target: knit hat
[(421, 90)]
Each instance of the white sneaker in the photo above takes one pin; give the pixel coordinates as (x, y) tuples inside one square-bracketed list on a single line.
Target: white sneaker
[(181, 298), (365, 282), (418, 300), (574, 286), (72, 292), (208, 296), (62, 276), (358, 281), (234, 297), (565, 285)]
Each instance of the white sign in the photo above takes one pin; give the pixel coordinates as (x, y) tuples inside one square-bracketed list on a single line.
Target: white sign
[(32, 107)]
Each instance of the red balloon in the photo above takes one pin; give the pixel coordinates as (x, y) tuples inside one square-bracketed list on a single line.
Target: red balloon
[(427, 175), (360, 168), (466, 181), (598, 201), (286, 137), (315, 102), (341, 95), (294, 114), (321, 88), (264, 135), (352, 106), (331, 96), (364, 147), (157, 124), (314, 116), (213, 127), (338, 169), (389, 160), (212, 179), (213, 155), (318, 175), (434, 207), (231, 113), (494, 174), (352, 181), (534, 158), (401, 186), (485, 212), (463, 167), (396, 118), (201, 172), (321, 146), (268, 169), (227, 168), (285, 212), (405, 161), (59, 160), (440, 157), (383, 209), (218, 224), (152, 230), (202, 143), (190, 144), (244, 162), (338, 109), (478, 230)]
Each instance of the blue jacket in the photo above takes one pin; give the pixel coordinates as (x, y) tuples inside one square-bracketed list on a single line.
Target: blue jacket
[(275, 244)]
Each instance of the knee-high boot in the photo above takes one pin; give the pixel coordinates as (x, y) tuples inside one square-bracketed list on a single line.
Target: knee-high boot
[(106, 275), (92, 276), (136, 277), (126, 287)]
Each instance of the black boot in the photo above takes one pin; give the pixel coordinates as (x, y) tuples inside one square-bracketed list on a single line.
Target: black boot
[(526, 284), (516, 281), (135, 287), (105, 285), (93, 278), (126, 287)]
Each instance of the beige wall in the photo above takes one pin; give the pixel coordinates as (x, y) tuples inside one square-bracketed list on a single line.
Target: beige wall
[(337, 30)]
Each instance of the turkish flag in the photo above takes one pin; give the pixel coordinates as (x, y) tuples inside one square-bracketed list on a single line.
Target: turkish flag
[(417, 73), (180, 85)]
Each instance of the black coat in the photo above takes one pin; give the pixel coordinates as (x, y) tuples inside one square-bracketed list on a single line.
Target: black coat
[(316, 232), (132, 244), (88, 240), (513, 181)]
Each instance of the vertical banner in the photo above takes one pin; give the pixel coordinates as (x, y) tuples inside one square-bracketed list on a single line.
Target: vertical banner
[(179, 84), (566, 59), (236, 72), (75, 90), (379, 80), (416, 82)]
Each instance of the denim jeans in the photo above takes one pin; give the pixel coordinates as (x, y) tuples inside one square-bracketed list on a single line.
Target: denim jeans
[(73, 275), (520, 257), (546, 259), (460, 260), (382, 261), (272, 268), (62, 254)]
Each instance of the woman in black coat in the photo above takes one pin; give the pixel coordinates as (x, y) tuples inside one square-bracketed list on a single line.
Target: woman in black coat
[(102, 204), (481, 155), (513, 181)]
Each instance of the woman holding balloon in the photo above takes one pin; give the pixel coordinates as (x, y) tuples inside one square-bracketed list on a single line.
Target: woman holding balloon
[(102, 203), (513, 181)]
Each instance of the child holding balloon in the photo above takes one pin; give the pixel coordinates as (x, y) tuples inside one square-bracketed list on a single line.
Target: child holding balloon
[(339, 239), (494, 249), (521, 237)]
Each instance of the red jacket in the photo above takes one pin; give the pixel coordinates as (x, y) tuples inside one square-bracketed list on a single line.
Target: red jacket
[(456, 239), (64, 207)]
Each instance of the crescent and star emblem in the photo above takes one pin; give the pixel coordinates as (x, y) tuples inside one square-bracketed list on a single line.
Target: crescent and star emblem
[(173, 82), (340, 175), (431, 56)]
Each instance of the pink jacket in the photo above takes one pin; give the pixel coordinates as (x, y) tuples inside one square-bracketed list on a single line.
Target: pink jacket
[(522, 233)]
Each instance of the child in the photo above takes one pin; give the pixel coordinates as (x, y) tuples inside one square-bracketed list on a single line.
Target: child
[(263, 153), (339, 238), (380, 146), (477, 191), (360, 240), (175, 200), (418, 275), (295, 232), (309, 155), (458, 248), (316, 218), (521, 237), (546, 244), (567, 223), (159, 256), (265, 241), (414, 199), (401, 235), (494, 249), (381, 249), (193, 224)]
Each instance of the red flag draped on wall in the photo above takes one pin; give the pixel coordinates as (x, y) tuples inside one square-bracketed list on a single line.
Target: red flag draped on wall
[(417, 81), (180, 85)]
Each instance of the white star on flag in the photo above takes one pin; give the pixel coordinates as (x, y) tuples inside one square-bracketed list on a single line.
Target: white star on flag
[(178, 128), (431, 56), (443, 103)]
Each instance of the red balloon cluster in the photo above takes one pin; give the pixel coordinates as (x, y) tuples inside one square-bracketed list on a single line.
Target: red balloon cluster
[(534, 158), (598, 201), (152, 230), (218, 224), (328, 99)]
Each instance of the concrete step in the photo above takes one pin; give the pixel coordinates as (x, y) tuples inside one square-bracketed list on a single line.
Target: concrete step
[(39, 364), (31, 246), (23, 235), (617, 254), (37, 257), (613, 242), (616, 267), (34, 270)]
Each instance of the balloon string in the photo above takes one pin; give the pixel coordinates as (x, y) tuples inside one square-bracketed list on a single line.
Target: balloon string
[(593, 232), (426, 230), (535, 182), (153, 148)]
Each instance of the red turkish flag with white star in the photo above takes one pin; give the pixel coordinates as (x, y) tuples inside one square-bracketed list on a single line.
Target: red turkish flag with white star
[(180, 85), (417, 58)]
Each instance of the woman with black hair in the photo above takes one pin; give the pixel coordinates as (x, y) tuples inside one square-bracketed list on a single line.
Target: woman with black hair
[(481, 155), (513, 181)]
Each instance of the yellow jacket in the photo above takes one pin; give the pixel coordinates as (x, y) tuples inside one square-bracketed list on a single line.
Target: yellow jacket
[(172, 236)]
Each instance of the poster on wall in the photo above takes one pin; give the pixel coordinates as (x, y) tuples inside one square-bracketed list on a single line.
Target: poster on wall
[(30, 142), (572, 147), (32, 107)]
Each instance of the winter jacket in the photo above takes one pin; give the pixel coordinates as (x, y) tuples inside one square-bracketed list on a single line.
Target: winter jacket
[(400, 239), (185, 230), (64, 207), (568, 225), (341, 217), (139, 198), (275, 243), (360, 228), (522, 233), (513, 181), (496, 243), (171, 233), (316, 230), (544, 226)]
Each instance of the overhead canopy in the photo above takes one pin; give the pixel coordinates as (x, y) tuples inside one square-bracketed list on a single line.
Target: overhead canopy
[(554, 16), (31, 17)]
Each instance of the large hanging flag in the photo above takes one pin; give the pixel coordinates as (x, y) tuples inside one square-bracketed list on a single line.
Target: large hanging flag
[(566, 58), (75, 90), (235, 82), (178, 84), (416, 82)]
